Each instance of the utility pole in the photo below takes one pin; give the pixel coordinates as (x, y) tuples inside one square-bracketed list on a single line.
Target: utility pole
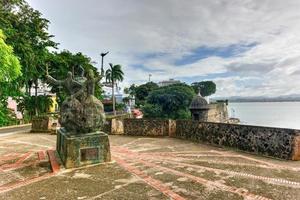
[(102, 57)]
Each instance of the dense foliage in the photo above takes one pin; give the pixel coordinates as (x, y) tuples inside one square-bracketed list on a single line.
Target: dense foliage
[(27, 107), (6, 117), (7, 89), (169, 102), (207, 88), (10, 67), (26, 48), (130, 91), (60, 63), (142, 92), (27, 33)]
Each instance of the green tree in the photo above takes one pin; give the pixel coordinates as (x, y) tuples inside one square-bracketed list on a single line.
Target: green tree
[(7, 117), (126, 100), (113, 75), (10, 70), (130, 91), (27, 107), (142, 92), (169, 102), (10, 67), (60, 63), (207, 88), (27, 33), (153, 111)]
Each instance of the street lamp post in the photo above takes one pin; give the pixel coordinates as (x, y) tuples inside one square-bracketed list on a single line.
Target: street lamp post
[(102, 57)]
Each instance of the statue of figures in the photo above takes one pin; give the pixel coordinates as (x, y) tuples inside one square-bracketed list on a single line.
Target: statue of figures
[(81, 112)]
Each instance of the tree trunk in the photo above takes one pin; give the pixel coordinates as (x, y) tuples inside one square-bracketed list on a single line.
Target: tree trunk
[(35, 99), (113, 97)]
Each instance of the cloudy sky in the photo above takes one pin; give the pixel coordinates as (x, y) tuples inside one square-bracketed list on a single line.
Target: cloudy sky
[(248, 47)]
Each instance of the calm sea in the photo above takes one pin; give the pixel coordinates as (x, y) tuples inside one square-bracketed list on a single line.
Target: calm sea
[(275, 114)]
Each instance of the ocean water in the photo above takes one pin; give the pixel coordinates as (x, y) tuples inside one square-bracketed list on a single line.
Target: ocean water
[(272, 114)]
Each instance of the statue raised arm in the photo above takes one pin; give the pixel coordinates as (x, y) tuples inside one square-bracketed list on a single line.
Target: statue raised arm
[(69, 83), (52, 80)]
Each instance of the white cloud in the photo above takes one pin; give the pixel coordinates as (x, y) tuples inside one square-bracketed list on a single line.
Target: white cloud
[(173, 28)]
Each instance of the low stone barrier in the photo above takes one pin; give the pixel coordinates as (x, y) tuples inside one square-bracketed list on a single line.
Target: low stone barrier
[(41, 124), (148, 127), (275, 142), (268, 141)]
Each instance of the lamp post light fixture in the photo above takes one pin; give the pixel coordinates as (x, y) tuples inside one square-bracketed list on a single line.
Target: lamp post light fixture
[(102, 57)]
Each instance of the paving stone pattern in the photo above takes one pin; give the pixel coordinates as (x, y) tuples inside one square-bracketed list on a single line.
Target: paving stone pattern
[(143, 168)]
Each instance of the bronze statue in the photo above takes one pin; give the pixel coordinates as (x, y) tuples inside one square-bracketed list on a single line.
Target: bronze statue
[(81, 112)]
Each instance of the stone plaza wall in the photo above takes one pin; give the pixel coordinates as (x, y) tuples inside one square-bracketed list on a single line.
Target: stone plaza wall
[(275, 142), (148, 127), (268, 141)]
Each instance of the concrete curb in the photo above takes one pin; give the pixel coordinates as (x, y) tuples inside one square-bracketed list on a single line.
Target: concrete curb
[(15, 126)]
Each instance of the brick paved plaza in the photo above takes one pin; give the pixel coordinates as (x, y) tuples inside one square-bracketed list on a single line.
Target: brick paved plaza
[(143, 168)]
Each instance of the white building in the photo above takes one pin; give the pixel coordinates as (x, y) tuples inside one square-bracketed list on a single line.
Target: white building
[(168, 82), (43, 89)]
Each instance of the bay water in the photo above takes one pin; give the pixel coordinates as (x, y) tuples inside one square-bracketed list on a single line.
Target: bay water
[(271, 114)]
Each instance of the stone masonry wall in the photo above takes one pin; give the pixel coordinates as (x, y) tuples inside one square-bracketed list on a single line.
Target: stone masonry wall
[(217, 112), (268, 141), (146, 127)]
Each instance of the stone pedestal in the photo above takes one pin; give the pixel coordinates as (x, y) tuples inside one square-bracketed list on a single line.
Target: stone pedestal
[(85, 149)]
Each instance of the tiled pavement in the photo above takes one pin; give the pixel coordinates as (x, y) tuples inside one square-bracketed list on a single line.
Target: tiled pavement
[(143, 168)]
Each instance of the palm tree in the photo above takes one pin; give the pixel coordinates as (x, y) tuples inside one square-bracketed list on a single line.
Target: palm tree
[(112, 75)]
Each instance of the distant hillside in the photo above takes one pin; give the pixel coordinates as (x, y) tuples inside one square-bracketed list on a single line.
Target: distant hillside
[(286, 98)]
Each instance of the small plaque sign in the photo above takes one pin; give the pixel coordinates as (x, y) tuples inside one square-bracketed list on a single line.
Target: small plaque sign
[(89, 154)]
